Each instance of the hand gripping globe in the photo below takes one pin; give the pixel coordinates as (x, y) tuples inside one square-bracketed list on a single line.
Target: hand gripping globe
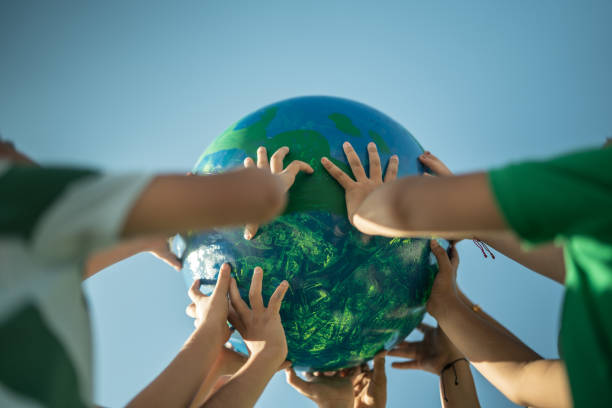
[(351, 295)]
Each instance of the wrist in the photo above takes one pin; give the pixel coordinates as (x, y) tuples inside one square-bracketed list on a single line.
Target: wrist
[(442, 308), (336, 404), (274, 355), (212, 332), (265, 364)]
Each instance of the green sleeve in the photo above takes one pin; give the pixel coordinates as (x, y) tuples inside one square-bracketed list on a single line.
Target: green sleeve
[(27, 192), (570, 195)]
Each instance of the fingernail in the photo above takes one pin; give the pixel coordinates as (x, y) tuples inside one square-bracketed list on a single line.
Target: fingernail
[(346, 144), (323, 159), (284, 283), (371, 144)]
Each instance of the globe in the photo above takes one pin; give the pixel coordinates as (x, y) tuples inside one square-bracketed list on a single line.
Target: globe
[(351, 295)]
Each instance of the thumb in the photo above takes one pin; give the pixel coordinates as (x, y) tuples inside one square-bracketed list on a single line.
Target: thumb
[(379, 363), (294, 168), (443, 261), (296, 382), (434, 164)]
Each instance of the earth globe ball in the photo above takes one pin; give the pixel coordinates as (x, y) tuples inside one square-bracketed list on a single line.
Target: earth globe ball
[(351, 295)]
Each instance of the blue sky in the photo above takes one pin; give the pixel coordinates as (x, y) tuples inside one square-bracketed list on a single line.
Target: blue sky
[(145, 86)]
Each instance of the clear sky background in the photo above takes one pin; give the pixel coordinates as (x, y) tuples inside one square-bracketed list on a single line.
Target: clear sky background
[(146, 85)]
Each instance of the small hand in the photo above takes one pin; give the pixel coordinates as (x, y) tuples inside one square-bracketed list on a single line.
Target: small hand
[(325, 391), (276, 166), (160, 248), (445, 284), (370, 387), (434, 164), (430, 354), (260, 326), (357, 190), (212, 311)]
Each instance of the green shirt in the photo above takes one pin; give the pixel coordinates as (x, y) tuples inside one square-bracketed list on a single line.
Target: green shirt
[(50, 220), (568, 200)]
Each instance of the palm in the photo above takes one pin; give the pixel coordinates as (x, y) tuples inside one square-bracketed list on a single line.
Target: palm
[(275, 165), (357, 190), (430, 354)]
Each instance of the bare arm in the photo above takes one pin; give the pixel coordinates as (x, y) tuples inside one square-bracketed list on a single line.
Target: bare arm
[(544, 259), (507, 363), (175, 203), (247, 384), (198, 354), (157, 245), (457, 388), (264, 336), (449, 207), (438, 355)]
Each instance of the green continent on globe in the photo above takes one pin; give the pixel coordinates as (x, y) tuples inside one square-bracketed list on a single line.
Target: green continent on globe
[(350, 295)]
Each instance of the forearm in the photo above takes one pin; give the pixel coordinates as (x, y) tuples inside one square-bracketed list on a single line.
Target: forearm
[(109, 256), (246, 385), (174, 203), (228, 363), (191, 365), (457, 388), (544, 259), (207, 385), (497, 356), (449, 207), (485, 316)]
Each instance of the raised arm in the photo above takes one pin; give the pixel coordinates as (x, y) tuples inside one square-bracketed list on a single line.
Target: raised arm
[(264, 336), (438, 355), (545, 259), (175, 203), (156, 245), (200, 351), (517, 371)]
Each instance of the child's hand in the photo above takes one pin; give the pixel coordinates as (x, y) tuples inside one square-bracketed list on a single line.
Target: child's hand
[(212, 311), (160, 248), (371, 386), (431, 354), (259, 326), (434, 164), (445, 285), (275, 164), (325, 391), (356, 191)]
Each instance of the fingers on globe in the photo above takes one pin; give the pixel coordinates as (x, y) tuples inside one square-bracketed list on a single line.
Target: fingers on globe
[(392, 168), (341, 177), (255, 291), (374, 159), (276, 161), (354, 162), (262, 158)]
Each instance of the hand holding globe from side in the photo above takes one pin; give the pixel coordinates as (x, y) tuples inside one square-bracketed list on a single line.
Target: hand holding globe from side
[(275, 165)]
